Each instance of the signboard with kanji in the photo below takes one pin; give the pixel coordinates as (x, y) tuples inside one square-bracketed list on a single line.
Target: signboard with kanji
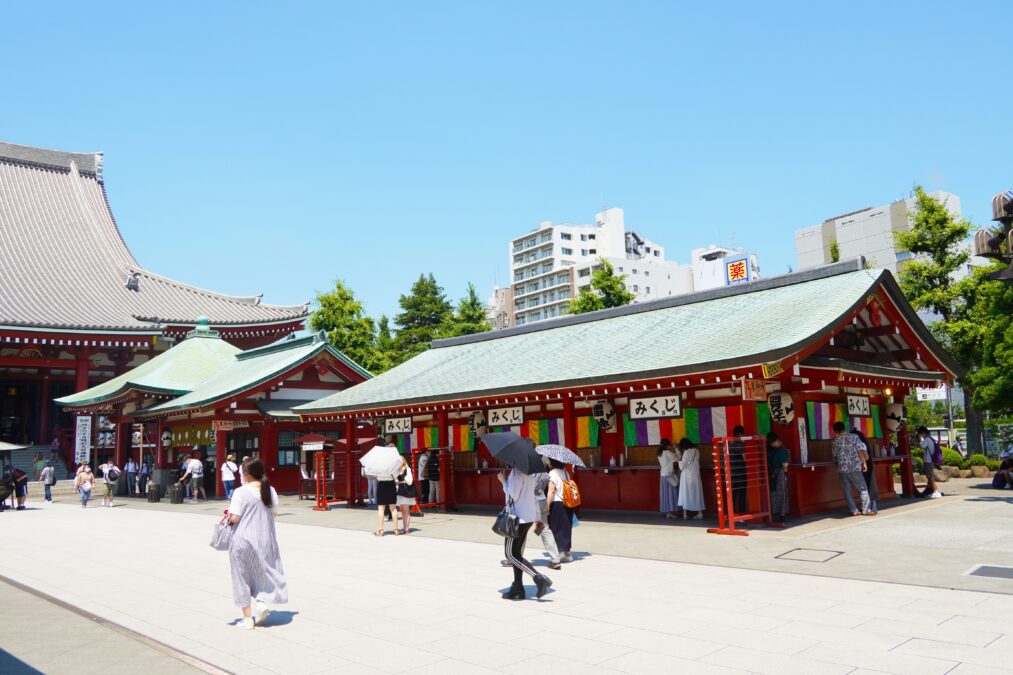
[(931, 393), (397, 425), (754, 390), (82, 439), (655, 407), (858, 406), (736, 271), (499, 417)]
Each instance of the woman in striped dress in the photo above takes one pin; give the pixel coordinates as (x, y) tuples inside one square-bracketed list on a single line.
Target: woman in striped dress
[(669, 486), (257, 574)]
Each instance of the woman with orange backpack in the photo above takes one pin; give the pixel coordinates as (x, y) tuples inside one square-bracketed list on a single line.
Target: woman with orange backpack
[(560, 515)]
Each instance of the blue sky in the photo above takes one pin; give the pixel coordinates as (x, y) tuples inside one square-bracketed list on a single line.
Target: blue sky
[(273, 147)]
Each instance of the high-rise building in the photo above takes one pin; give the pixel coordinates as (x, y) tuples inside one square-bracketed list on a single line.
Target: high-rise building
[(868, 232), (550, 264)]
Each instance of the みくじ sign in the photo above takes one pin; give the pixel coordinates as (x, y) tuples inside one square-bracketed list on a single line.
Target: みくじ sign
[(859, 406), (397, 425), (655, 407), (506, 416)]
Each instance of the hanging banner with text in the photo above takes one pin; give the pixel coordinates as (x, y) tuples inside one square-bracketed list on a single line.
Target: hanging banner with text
[(82, 439), (655, 407)]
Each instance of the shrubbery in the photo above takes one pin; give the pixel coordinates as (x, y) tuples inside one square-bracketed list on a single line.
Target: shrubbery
[(918, 464), (978, 460), (952, 458), (992, 464)]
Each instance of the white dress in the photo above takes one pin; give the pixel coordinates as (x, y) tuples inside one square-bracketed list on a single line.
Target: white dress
[(253, 553), (690, 485)]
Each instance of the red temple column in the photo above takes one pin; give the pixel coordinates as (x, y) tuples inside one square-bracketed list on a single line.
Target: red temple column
[(569, 424), (45, 403), (219, 459), (447, 465), (349, 474), (907, 478), (81, 369)]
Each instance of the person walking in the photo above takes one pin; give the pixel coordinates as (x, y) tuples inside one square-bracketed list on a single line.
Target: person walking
[(242, 476), (386, 497), (20, 479), (195, 472), (519, 495), (110, 475), (669, 483), (930, 454), (131, 471), (405, 490), (258, 579), (84, 482), (38, 464), (48, 478), (560, 515), (777, 470), (229, 471), (144, 476), (850, 466), (690, 484), (868, 471)]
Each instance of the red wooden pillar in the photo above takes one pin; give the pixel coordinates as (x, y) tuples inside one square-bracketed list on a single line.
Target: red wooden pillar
[(119, 440), (220, 447), (349, 476), (907, 471), (446, 461), (45, 433), (569, 424), (754, 493)]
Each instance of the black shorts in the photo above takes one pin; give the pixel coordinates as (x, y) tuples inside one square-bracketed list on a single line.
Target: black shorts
[(21, 489)]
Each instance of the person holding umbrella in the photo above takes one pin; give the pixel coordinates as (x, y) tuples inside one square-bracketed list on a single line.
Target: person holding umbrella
[(384, 462), (519, 490)]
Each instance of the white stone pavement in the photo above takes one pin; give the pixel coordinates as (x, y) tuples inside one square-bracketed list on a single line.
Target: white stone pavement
[(360, 604)]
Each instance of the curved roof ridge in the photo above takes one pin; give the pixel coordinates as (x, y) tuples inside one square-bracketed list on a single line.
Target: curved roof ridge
[(238, 299), (87, 162)]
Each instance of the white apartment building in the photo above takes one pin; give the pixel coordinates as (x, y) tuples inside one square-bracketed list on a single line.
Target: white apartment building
[(867, 232), (550, 264)]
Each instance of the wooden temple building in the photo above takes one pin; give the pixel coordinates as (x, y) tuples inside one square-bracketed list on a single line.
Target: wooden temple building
[(835, 343), (206, 398), (77, 309)]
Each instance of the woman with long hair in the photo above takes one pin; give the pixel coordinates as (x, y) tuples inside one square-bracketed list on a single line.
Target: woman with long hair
[(777, 472), (257, 575), (690, 484), (669, 486), (519, 494), (405, 497)]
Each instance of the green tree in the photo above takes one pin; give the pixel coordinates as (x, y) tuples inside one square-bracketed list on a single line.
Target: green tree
[(607, 289), (385, 355), (987, 320), (937, 240), (348, 328), (425, 311), (835, 251), (468, 318)]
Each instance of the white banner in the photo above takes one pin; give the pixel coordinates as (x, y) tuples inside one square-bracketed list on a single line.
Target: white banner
[(803, 440), (82, 439), (931, 393), (655, 407), (397, 425)]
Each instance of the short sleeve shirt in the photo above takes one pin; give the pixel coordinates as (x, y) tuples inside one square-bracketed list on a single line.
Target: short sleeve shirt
[(236, 504), (557, 477), (195, 468), (927, 447), (845, 450)]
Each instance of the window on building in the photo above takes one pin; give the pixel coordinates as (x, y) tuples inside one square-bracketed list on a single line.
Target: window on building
[(584, 273), (656, 253), (620, 269), (535, 316), (591, 237), (565, 236), (648, 249), (647, 273), (636, 289), (592, 251), (583, 251), (635, 270), (647, 290), (583, 237), (567, 251)]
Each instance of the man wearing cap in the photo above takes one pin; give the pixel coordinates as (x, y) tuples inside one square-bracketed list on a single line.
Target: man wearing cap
[(229, 471)]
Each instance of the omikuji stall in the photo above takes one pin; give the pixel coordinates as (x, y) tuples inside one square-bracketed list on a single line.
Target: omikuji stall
[(790, 354)]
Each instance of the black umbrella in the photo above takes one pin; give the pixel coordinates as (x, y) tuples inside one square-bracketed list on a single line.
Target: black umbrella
[(514, 451)]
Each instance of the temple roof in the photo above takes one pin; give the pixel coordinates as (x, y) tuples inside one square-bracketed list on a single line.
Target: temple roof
[(64, 264), (741, 326)]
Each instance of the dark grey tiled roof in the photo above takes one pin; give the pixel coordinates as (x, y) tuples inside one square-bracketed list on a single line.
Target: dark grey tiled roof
[(64, 264)]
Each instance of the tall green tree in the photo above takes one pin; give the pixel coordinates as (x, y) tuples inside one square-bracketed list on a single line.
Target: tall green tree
[(425, 311), (469, 316), (607, 289), (987, 320), (348, 328), (385, 355), (937, 240)]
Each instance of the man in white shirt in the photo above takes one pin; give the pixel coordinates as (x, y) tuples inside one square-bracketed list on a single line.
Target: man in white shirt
[(229, 471), (110, 475), (195, 472)]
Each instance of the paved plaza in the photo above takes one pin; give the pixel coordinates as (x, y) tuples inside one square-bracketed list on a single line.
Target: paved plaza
[(430, 603)]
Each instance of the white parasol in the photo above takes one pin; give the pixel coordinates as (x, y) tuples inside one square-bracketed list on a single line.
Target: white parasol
[(383, 460)]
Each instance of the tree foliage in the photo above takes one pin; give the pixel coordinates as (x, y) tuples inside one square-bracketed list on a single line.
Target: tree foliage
[(607, 289), (468, 318), (425, 311), (348, 328), (835, 251)]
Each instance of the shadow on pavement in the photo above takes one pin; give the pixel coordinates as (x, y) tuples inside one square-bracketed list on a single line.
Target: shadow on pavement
[(11, 665), (277, 618)]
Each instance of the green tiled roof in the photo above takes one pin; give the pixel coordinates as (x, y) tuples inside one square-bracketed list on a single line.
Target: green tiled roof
[(763, 321), (251, 369), (176, 371)]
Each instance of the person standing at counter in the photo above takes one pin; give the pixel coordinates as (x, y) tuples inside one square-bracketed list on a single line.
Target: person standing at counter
[(690, 485), (777, 468), (868, 471), (669, 482), (850, 466)]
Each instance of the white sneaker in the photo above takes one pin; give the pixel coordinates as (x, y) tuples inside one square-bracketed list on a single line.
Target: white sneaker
[(261, 611), (245, 623), (936, 495)]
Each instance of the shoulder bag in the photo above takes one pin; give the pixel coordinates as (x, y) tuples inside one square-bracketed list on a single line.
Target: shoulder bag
[(404, 489), (221, 536), (507, 524)]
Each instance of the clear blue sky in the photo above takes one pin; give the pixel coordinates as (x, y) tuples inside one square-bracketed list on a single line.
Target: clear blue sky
[(273, 147)]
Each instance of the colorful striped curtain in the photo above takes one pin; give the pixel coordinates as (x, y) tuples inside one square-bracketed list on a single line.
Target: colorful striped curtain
[(461, 438), (700, 425), (822, 416), (541, 431), (425, 438), (587, 432)]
